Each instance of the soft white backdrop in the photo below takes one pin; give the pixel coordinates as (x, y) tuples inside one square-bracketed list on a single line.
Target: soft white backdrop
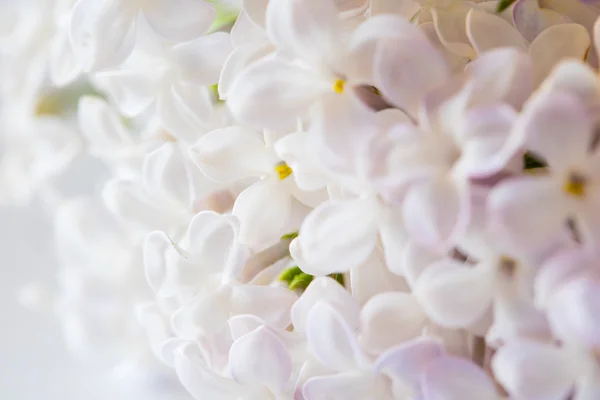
[(34, 363)]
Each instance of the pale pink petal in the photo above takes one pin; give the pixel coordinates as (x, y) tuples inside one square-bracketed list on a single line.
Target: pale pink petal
[(530, 20), (488, 140), (574, 312), (407, 67), (366, 39), (435, 211), (574, 76), (529, 210), (453, 378), (533, 370), (503, 74), (409, 361), (558, 129)]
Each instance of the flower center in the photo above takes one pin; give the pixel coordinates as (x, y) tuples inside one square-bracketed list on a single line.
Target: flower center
[(283, 170), (338, 86), (575, 184), (507, 266)]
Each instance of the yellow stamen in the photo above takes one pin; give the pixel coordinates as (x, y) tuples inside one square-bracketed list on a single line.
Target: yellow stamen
[(575, 185), (283, 170), (338, 86), (508, 266), (48, 105)]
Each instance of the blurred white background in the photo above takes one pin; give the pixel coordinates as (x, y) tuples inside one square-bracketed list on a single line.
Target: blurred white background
[(34, 361)]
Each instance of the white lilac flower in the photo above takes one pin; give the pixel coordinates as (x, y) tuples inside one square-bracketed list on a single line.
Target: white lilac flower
[(103, 34), (317, 199)]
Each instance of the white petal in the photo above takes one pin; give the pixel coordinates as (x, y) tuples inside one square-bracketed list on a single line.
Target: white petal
[(452, 378), (232, 153), (330, 291), (344, 386), (179, 20), (450, 27), (273, 93), (102, 33), (184, 109), (155, 246), (237, 61), (337, 236), (436, 211), (199, 380), (389, 319), (132, 91), (241, 325), (64, 67), (102, 127), (256, 10), (263, 210), (373, 277), (201, 60), (487, 31), (205, 314), (128, 201), (270, 303), (394, 239), (455, 295), (211, 240), (331, 340), (557, 43), (309, 28), (532, 370), (259, 357), (165, 176)]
